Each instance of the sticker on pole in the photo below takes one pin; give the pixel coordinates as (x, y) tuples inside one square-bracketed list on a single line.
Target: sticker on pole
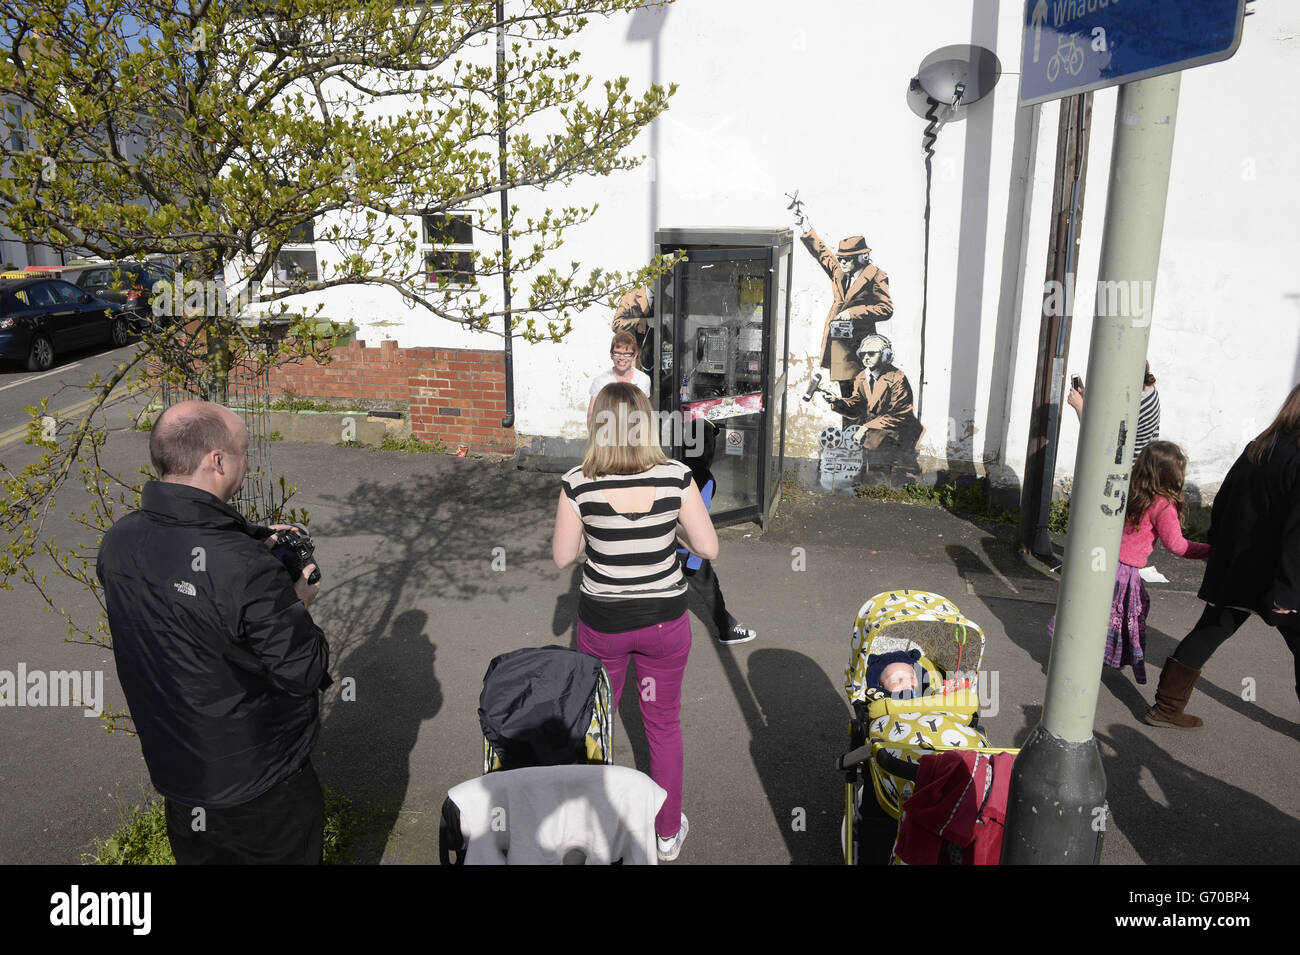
[(1072, 46)]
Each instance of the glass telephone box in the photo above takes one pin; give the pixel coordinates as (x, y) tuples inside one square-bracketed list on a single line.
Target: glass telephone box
[(723, 316)]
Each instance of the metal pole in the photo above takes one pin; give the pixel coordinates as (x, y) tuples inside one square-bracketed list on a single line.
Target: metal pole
[(1080, 107), (1057, 806), (509, 418)]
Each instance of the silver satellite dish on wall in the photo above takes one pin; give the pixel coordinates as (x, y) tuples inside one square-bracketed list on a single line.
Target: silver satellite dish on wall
[(955, 77), (949, 80)]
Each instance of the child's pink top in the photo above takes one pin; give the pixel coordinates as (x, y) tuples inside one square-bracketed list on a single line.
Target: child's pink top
[(1160, 519)]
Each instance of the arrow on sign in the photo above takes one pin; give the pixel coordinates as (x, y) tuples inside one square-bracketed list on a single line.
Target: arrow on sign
[(1039, 15)]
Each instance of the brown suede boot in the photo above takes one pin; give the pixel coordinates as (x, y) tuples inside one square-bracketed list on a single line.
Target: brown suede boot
[(1172, 693)]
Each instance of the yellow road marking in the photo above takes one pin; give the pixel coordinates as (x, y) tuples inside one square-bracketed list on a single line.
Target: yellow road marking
[(19, 433)]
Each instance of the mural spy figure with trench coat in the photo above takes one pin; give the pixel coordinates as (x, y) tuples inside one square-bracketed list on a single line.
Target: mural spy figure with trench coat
[(861, 299)]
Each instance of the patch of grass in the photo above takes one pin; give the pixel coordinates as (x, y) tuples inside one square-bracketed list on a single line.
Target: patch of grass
[(290, 400), (142, 839), (343, 822), (972, 500), (872, 492), (790, 488), (1058, 515), (412, 444), (294, 403), (275, 436)]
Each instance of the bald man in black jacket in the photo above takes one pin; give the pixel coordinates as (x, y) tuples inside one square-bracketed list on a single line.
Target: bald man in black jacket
[(220, 661)]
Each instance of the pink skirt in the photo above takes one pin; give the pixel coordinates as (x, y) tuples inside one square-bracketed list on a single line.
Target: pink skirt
[(1126, 633), (1126, 636)]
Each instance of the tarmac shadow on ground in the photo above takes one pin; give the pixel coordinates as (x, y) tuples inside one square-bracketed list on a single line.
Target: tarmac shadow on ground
[(565, 618), (1024, 620), (1175, 815), (425, 540), (998, 560), (1025, 624), (798, 725), (437, 540), (366, 741), (1159, 648), (798, 722), (1033, 715)]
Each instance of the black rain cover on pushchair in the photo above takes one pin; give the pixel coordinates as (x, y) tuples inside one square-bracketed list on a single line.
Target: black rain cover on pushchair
[(536, 707)]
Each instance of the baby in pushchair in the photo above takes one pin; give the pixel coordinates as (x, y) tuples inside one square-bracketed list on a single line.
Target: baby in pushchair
[(898, 674)]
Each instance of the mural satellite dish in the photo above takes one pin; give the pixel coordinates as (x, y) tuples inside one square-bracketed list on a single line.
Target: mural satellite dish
[(954, 76)]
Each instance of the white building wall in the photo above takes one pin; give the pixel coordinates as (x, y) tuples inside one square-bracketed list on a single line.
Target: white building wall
[(773, 98)]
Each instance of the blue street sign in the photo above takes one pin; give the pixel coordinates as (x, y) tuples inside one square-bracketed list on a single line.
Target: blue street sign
[(1072, 46)]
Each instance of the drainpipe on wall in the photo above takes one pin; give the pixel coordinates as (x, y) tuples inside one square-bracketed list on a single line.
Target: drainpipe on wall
[(1054, 331), (509, 419)]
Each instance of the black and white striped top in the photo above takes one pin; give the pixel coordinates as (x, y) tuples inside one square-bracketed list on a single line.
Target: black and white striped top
[(631, 556), (1148, 426)]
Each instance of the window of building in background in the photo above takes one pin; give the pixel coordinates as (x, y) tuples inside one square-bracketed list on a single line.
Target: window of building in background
[(448, 248), (297, 259)]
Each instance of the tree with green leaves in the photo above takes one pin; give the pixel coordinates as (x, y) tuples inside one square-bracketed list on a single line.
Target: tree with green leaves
[(210, 132)]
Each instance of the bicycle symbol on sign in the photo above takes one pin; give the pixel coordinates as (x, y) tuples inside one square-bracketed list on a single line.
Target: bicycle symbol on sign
[(1068, 54)]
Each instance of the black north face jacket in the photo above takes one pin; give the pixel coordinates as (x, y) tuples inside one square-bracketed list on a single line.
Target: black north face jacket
[(219, 659)]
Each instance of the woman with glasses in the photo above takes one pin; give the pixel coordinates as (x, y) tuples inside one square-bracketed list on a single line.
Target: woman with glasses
[(624, 352)]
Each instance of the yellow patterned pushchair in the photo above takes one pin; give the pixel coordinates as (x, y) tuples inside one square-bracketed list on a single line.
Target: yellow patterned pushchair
[(888, 737)]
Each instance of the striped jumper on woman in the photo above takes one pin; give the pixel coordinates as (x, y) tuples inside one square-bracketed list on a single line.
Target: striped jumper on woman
[(627, 507)]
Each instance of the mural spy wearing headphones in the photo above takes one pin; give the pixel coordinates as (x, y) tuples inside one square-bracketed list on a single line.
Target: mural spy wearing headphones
[(880, 407)]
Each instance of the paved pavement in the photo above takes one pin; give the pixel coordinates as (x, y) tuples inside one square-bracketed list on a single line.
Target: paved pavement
[(414, 612)]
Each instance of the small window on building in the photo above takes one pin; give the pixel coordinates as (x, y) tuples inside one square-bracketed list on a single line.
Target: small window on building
[(13, 120), (303, 234), (448, 248), (297, 259)]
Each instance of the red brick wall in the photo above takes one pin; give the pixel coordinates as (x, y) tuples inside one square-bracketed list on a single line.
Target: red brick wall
[(459, 396), (356, 372), (456, 396)]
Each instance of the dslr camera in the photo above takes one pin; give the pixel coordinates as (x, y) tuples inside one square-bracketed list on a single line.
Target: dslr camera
[(295, 549)]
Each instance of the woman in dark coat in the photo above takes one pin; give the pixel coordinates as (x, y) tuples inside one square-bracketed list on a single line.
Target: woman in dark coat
[(1255, 564)]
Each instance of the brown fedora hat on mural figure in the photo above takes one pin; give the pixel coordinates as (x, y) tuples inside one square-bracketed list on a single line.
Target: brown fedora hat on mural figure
[(853, 245)]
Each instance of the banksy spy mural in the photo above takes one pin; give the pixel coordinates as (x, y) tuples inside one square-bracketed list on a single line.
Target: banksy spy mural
[(879, 430)]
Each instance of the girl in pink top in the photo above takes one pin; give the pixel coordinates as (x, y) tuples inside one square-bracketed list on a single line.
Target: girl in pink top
[(1155, 509)]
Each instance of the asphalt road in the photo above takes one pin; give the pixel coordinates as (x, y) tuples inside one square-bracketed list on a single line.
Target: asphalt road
[(65, 385), (414, 612)]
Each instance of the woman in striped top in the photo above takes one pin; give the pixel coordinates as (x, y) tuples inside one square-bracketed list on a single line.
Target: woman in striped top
[(1148, 423), (627, 507)]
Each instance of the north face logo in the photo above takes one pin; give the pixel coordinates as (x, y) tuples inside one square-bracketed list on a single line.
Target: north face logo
[(186, 588)]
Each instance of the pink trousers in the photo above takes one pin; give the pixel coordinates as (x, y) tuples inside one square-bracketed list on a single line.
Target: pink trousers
[(660, 654)]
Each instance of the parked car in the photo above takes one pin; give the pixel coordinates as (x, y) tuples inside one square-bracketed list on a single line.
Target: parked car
[(40, 318), (129, 284)]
